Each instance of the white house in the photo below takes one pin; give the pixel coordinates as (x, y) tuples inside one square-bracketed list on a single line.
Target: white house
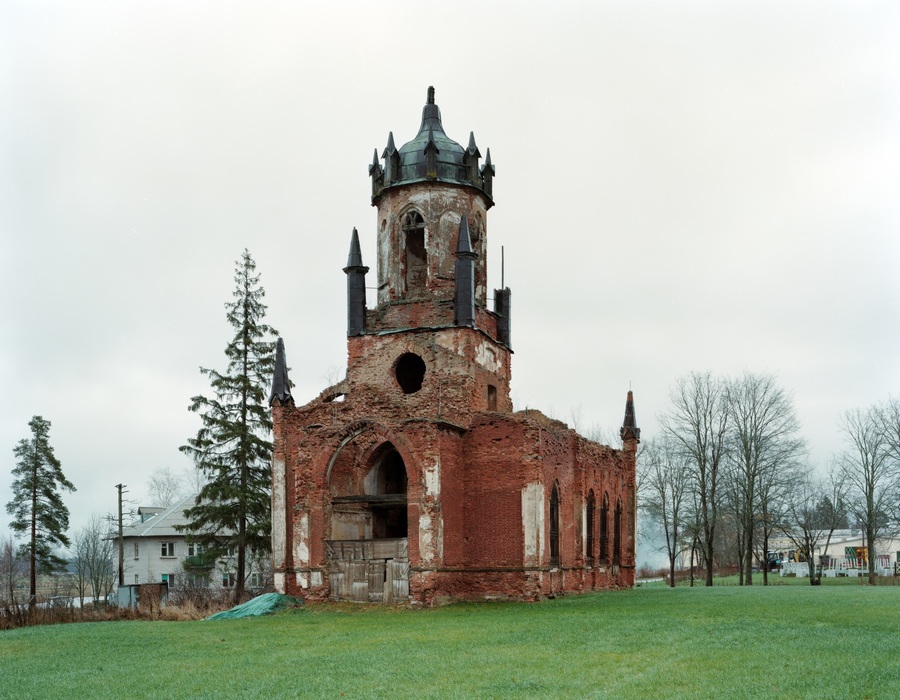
[(155, 551), (847, 555)]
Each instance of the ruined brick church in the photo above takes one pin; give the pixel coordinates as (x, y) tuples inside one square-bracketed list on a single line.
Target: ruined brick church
[(413, 478)]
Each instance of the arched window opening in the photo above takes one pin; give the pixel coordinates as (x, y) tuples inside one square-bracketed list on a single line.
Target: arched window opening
[(617, 533), (554, 526), (589, 528), (415, 255), (389, 515), (410, 372), (604, 532), (391, 475)]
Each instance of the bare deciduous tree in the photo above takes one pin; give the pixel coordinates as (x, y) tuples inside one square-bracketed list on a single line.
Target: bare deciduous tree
[(93, 550), (664, 473), (697, 422), (871, 473), (814, 509), (13, 569), (764, 447), (164, 487)]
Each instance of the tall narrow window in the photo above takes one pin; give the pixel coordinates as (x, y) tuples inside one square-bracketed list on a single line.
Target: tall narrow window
[(415, 255), (617, 533), (604, 530), (492, 397), (589, 528), (554, 526)]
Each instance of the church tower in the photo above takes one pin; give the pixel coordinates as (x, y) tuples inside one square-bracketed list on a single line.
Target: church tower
[(412, 478), (444, 348)]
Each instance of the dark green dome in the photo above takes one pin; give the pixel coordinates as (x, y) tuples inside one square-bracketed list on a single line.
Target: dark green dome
[(448, 156), (431, 156)]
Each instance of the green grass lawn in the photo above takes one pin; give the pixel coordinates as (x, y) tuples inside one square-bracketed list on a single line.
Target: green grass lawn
[(728, 642)]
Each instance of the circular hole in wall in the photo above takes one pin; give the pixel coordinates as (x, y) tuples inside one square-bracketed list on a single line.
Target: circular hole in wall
[(410, 371)]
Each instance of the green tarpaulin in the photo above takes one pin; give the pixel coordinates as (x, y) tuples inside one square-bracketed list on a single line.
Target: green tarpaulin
[(261, 605)]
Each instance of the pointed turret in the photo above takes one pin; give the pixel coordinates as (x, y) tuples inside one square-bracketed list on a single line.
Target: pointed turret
[(487, 175), (356, 288), (281, 385), (470, 159), (391, 161), (464, 304), (377, 175), (629, 430)]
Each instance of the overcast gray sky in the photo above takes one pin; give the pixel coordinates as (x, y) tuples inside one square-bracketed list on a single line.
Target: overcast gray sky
[(680, 186)]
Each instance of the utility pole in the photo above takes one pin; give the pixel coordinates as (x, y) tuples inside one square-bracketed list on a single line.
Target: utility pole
[(121, 539)]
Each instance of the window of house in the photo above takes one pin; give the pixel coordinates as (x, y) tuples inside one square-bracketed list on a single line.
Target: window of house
[(193, 549), (136, 578), (589, 528), (169, 578), (136, 550), (228, 580), (167, 549), (255, 580), (617, 533), (604, 531), (491, 397), (554, 526)]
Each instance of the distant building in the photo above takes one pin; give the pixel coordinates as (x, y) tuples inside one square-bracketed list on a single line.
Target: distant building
[(155, 552), (413, 478)]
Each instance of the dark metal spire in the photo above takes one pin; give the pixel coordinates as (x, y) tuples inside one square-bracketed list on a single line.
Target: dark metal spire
[(391, 161), (629, 425), (281, 385), (472, 148), (487, 175), (356, 288), (464, 305)]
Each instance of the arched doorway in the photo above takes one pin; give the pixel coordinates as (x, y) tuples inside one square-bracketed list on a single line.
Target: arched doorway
[(369, 555)]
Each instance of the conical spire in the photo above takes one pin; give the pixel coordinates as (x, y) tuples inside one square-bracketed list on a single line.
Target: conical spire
[(629, 425), (487, 175), (354, 259), (281, 385), (390, 148), (356, 288), (376, 166), (472, 149), (487, 163), (464, 244)]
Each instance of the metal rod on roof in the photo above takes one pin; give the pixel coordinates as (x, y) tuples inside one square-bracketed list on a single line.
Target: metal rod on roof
[(502, 268)]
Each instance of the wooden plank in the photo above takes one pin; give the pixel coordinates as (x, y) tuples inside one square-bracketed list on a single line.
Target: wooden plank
[(376, 581), (400, 580)]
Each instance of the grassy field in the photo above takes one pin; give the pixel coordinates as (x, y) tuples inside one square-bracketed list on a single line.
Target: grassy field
[(651, 642)]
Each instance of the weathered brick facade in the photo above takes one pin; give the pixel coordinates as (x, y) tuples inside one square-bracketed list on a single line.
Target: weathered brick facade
[(413, 478)]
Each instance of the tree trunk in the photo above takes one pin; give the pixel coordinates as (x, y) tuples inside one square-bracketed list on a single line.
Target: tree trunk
[(32, 597)]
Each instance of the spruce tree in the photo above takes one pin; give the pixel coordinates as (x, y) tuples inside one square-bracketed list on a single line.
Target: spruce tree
[(36, 507), (233, 448)]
